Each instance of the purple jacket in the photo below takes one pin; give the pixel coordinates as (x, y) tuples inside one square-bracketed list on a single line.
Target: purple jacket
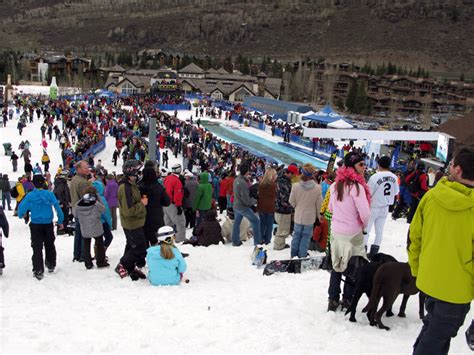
[(110, 194), (28, 186)]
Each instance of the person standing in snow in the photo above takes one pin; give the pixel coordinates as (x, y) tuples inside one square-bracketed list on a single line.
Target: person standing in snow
[(77, 188), (383, 189), (132, 207), (243, 207), (14, 160), (441, 236), (40, 203), (174, 212), (157, 199), (306, 198), (350, 205), (89, 210), (111, 189), (5, 228)]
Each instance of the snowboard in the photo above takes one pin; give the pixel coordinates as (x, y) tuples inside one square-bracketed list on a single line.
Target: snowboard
[(259, 256), (293, 266)]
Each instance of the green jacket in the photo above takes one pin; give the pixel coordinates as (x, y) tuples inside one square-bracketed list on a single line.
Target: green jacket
[(203, 198), (132, 212), (442, 236)]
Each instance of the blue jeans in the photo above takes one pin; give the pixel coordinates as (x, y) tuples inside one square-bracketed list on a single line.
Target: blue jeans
[(254, 221), (107, 235), (6, 196), (78, 250), (266, 226), (440, 324), (300, 243)]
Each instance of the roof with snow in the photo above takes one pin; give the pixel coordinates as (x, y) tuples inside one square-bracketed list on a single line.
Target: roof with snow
[(277, 108)]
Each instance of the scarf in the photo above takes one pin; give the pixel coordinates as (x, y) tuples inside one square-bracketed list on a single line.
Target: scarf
[(344, 174)]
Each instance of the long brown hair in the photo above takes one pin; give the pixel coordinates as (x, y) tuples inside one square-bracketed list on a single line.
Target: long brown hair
[(166, 251), (340, 187)]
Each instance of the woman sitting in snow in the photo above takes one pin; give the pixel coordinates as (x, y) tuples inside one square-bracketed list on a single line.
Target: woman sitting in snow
[(208, 232), (165, 262), (226, 229)]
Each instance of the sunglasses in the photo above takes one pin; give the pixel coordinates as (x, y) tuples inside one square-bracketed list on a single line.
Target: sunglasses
[(361, 163)]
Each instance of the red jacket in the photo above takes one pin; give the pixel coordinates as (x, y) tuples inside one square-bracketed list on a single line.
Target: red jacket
[(223, 188), (423, 178), (174, 188)]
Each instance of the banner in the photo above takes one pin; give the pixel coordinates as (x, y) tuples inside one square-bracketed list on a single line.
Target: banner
[(96, 148), (394, 158), (442, 149), (332, 161)]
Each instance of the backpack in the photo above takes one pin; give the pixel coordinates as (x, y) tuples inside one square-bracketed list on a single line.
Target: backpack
[(414, 184), (14, 192)]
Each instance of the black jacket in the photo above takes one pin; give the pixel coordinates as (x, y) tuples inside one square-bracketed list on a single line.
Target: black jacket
[(208, 232), (157, 199), (61, 191)]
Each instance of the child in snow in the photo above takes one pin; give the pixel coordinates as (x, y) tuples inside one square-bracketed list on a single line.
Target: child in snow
[(165, 262), (88, 211), (4, 227)]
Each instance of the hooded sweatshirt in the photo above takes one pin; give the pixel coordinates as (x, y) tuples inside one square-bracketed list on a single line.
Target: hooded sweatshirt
[(89, 215), (105, 217), (203, 199), (441, 252), (164, 271), (40, 202), (306, 198)]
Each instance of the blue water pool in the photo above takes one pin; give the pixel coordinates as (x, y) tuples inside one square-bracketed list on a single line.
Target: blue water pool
[(254, 142)]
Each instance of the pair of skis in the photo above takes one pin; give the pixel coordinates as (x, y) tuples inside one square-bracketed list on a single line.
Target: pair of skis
[(295, 266)]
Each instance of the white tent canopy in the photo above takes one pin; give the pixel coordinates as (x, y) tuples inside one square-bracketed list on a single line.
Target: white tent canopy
[(309, 113), (340, 124)]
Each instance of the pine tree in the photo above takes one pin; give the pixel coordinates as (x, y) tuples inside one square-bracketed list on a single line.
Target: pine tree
[(351, 96), (461, 78), (360, 103)]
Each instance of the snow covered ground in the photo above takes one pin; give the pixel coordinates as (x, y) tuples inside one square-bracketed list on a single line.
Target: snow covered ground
[(228, 306)]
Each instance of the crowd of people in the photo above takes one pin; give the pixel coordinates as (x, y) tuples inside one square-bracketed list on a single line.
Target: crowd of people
[(157, 204)]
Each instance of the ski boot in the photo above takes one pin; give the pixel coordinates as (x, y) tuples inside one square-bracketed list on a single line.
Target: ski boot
[(137, 274), (333, 305), (50, 267), (121, 271), (38, 274)]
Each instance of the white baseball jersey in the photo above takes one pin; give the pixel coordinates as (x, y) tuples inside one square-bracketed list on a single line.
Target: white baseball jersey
[(383, 188)]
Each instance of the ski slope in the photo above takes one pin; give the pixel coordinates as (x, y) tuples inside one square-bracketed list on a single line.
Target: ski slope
[(228, 306)]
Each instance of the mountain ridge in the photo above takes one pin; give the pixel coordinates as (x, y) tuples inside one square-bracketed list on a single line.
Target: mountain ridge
[(434, 34)]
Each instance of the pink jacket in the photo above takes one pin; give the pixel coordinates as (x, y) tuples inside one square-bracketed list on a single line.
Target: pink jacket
[(351, 215)]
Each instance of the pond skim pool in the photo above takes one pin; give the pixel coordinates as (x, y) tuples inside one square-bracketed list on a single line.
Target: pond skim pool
[(284, 155)]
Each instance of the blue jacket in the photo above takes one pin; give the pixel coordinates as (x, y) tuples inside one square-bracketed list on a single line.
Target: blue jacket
[(105, 217), (39, 203), (163, 271)]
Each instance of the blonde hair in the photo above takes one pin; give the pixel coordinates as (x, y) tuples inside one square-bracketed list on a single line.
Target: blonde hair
[(166, 251), (269, 177), (308, 168)]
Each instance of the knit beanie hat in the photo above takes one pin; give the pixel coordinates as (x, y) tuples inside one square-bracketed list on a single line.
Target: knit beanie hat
[(352, 158)]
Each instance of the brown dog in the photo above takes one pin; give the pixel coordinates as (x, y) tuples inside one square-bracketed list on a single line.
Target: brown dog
[(390, 280)]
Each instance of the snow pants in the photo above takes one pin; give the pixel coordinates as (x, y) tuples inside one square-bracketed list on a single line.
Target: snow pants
[(172, 219), (135, 249), (440, 324), (2, 258), (43, 235), (283, 230)]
